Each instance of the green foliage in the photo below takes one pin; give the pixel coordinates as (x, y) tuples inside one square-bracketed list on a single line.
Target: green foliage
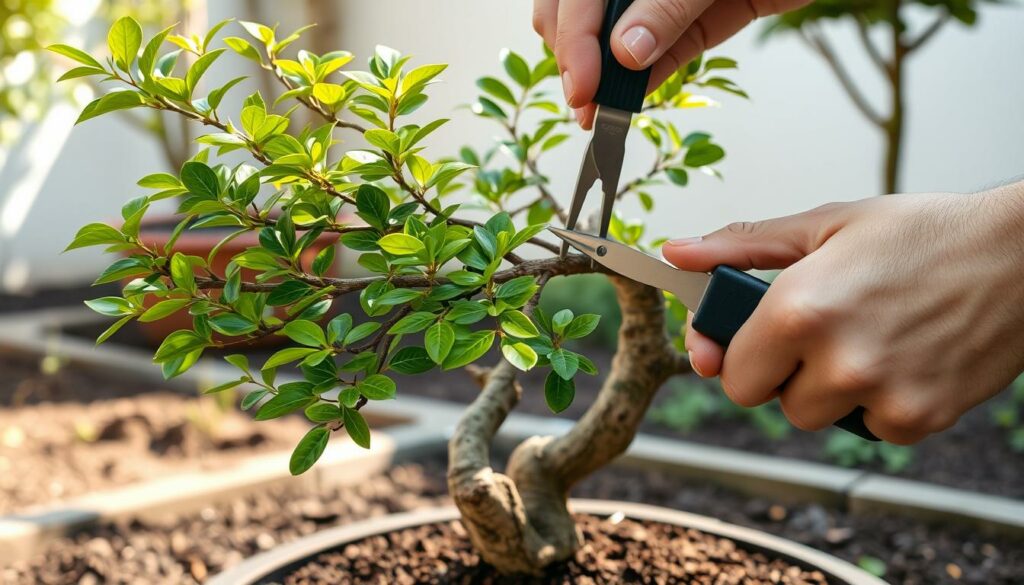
[(695, 403), (1008, 414), (445, 290), (849, 450)]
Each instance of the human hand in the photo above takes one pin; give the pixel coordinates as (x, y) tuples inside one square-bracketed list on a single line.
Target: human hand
[(908, 305), (665, 34)]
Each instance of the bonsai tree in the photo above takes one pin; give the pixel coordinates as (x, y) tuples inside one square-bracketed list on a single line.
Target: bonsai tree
[(890, 58), (445, 289)]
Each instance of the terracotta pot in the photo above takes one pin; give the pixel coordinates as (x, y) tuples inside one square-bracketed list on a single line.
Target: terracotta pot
[(272, 566), (157, 230)]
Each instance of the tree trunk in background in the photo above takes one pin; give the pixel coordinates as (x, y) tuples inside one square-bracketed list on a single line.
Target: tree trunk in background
[(894, 125), (520, 522)]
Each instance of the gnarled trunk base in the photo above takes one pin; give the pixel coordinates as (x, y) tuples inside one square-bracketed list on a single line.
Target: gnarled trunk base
[(519, 522)]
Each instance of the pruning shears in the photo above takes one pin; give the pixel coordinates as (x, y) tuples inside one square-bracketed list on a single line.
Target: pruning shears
[(721, 301)]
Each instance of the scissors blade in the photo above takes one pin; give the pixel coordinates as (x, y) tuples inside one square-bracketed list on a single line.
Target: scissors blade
[(589, 173), (689, 287), (609, 145)]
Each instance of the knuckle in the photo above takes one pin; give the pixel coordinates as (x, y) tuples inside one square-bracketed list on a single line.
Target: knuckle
[(735, 394), (794, 313), (538, 20), (743, 228), (851, 372), (798, 415), (675, 12)]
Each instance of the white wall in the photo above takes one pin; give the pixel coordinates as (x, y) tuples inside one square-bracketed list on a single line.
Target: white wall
[(796, 144)]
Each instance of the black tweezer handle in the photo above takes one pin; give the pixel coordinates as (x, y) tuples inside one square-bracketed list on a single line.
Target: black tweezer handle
[(620, 88), (729, 300)]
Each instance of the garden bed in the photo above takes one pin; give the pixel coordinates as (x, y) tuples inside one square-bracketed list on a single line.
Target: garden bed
[(66, 430), (189, 549), (973, 455)]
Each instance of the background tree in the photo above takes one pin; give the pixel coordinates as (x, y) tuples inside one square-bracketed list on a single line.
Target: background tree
[(445, 288), (890, 58)]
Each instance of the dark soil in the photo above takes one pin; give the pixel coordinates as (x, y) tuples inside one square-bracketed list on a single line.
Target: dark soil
[(616, 551), (187, 550), (191, 549), (66, 430)]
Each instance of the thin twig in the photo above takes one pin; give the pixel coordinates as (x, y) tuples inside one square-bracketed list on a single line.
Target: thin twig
[(819, 43), (928, 33)]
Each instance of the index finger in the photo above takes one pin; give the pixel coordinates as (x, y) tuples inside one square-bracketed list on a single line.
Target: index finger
[(577, 49)]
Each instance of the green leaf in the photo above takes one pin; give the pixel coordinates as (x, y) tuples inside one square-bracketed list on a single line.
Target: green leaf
[(338, 327), (324, 260), (586, 366), (163, 309), (678, 177), (287, 355), (196, 71), (323, 412), (124, 40), (232, 324), (412, 323), (377, 387), (519, 354), (702, 154), (113, 329), (561, 320), (75, 54), (401, 244), (305, 333), (253, 397), (497, 89), (181, 273), (468, 350), (200, 180), (516, 67), (517, 324), (111, 306), (309, 449), (243, 48), (238, 360), (123, 268), (356, 426), (873, 565), (516, 290), (288, 292), (290, 397), (466, 312), (439, 339), (226, 386), (373, 205), (564, 363), (113, 101), (160, 181), (96, 234), (582, 326), (558, 392), (411, 360), (396, 297), (361, 331)]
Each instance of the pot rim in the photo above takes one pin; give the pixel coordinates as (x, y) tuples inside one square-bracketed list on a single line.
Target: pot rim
[(269, 565)]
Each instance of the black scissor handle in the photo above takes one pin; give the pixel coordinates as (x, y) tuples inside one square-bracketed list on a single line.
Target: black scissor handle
[(620, 88), (728, 302)]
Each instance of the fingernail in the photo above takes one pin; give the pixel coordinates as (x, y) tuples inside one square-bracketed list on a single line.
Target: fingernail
[(694, 365), (567, 86), (640, 43), (685, 241)]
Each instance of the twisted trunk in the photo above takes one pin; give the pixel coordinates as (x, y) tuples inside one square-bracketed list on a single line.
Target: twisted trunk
[(520, 522)]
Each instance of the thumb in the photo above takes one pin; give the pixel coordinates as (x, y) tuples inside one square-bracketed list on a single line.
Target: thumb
[(773, 243), (649, 28)]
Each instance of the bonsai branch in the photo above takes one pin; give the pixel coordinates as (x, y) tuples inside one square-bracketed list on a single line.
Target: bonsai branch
[(928, 33)]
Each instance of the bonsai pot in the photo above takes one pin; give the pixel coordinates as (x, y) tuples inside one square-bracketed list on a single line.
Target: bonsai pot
[(276, 565), (156, 231)]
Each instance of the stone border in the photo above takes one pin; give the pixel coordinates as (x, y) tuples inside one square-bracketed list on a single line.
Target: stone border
[(427, 425), (268, 567)]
